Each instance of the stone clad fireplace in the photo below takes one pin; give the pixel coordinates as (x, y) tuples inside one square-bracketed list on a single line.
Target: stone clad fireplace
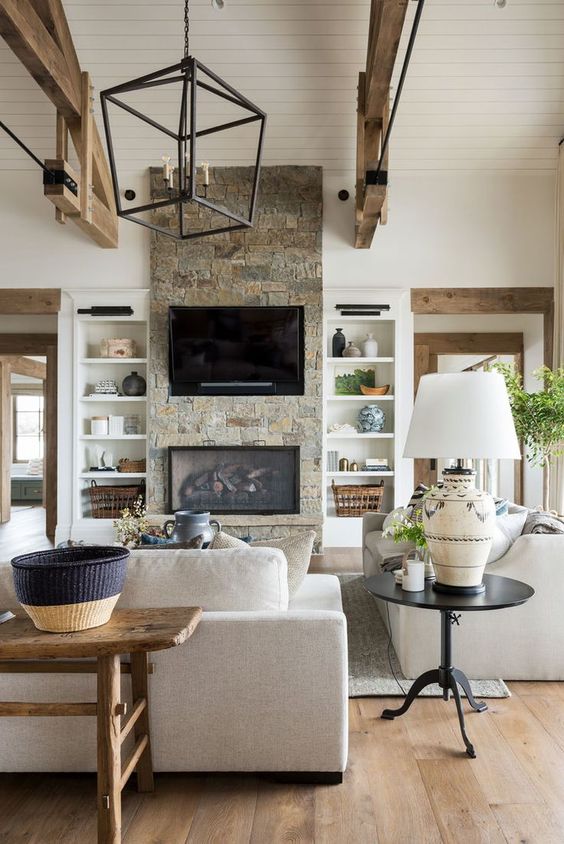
[(278, 262)]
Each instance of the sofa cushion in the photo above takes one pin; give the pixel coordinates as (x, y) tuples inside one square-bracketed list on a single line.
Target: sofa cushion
[(297, 550), (318, 592), (506, 530), (228, 580)]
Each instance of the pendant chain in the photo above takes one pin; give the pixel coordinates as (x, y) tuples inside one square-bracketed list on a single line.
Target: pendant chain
[(186, 29)]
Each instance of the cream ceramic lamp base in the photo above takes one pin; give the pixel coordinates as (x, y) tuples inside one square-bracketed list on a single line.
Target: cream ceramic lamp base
[(458, 521)]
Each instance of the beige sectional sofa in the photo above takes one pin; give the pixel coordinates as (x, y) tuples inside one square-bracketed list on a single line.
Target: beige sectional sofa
[(521, 643), (261, 686)]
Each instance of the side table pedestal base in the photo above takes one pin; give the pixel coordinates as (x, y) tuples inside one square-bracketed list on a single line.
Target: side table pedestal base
[(448, 679)]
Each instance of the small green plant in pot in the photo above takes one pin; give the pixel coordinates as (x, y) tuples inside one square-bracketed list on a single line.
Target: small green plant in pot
[(538, 417), (404, 528)]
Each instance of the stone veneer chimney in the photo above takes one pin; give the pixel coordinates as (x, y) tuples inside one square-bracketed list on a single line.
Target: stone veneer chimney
[(278, 262)]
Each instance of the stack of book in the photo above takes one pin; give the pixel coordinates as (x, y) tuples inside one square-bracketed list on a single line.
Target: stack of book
[(376, 464), (332, 461)]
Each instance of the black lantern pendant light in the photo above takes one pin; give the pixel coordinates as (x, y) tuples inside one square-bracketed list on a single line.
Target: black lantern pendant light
[(183, 184)]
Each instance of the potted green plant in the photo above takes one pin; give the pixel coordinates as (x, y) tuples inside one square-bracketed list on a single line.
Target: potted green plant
[(538, 417)]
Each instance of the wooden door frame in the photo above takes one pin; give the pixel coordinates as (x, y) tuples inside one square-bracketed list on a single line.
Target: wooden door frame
[(42, 302), (491, 300), (428, 346)]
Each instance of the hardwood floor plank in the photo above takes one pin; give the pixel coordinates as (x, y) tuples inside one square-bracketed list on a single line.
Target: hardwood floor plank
[(432, 725), (536, 750), (462, 812), (356, 722), (25, 532), (347, 812), (165, 816), (502, 777), (537, 689), (528, 823), (284, 813), (402, 807), (225, 812), (550, 712)]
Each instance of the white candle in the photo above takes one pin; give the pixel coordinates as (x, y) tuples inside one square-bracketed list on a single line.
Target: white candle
[(166, 167), (206, 172)]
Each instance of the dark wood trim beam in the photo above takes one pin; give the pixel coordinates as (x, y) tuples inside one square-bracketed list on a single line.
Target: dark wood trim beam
[(26, 344)]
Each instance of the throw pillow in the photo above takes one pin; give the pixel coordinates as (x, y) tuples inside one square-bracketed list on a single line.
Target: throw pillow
[(297, 550), (506, 530), (398, 513), (542, 522)]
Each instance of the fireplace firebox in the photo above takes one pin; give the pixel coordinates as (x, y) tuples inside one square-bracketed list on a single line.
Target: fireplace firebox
[(259, 480)]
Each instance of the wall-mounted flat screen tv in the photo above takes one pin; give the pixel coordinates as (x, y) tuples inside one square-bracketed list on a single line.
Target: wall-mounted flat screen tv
[(236, 351)]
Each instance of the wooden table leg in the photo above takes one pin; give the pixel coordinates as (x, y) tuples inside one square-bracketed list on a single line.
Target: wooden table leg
[(140, 689), (109, 752)]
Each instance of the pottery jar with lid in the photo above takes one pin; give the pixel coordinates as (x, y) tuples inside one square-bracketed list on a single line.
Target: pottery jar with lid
[(99, 426)]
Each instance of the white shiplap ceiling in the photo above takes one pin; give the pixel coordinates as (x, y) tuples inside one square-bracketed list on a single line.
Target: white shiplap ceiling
[(485, 90)]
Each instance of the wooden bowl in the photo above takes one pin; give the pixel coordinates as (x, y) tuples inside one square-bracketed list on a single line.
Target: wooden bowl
[(374, 391)]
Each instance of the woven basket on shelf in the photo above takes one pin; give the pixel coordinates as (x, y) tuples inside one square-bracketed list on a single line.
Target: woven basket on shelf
[(353, 500), (126, 465), (107, 502), (70, 589)]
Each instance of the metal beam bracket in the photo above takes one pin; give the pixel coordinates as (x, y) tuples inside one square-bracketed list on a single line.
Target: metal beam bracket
[(377, 177), (60, 177)]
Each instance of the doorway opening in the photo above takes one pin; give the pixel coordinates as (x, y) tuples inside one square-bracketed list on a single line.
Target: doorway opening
[(28, 421)]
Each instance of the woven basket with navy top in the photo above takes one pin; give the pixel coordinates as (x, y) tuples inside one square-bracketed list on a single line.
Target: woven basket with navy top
[(70, 588)]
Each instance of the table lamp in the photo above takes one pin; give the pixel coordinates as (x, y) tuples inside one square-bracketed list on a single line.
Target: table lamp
[(460, 415)]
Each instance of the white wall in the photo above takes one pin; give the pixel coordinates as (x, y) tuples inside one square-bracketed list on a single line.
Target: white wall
[(444, 230), (447, 230), (36, 251)]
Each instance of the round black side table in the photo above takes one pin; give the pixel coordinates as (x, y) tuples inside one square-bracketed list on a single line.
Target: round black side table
[(501, 592)]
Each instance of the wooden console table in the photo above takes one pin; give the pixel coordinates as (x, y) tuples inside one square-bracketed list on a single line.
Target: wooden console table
[(24, 649)]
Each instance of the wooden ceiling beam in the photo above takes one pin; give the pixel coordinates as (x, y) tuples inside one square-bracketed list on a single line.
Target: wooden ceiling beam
[(386, 23), (38, 33)]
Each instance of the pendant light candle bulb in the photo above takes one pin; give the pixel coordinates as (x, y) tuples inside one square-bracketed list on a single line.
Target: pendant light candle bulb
[(206, 172), (166, 167)]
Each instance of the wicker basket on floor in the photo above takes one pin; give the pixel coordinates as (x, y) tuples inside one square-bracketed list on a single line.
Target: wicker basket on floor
[(354, 500), (107, 502)]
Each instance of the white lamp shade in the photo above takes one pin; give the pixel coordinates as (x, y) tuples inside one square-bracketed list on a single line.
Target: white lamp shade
[(462, 415)]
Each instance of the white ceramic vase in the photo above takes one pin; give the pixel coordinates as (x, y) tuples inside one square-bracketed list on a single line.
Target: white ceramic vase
[(370, 347), (459, 521)]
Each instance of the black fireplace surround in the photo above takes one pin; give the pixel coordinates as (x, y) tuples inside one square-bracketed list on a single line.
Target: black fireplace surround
[(237, 480)]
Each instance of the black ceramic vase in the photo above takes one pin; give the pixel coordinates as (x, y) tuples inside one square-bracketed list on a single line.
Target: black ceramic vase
[(134, 385), (339, 343)]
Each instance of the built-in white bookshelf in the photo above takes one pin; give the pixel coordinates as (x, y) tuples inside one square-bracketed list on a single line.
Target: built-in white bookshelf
[(89, 367), (393, 331)]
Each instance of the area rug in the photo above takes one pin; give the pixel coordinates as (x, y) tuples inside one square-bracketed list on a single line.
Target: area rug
[(369, 669)]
